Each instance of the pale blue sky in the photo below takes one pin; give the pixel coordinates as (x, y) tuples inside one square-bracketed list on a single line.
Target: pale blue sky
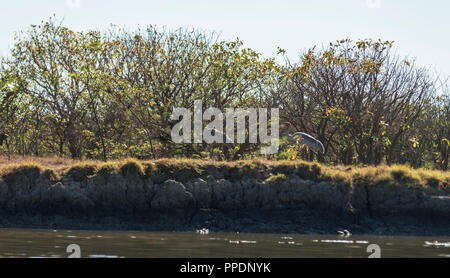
[(419, 28)]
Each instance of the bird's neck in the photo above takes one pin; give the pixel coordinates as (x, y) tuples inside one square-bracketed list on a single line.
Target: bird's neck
[(287, 131)]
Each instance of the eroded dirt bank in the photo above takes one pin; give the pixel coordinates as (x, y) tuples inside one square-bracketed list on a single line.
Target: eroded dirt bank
[(282, 198)]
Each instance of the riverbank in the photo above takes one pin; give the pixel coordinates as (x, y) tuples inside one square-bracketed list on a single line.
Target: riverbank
[(245, 196)]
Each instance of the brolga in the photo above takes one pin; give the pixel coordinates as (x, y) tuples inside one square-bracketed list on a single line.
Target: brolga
[(224, 147), (226, 139), (302, 138)]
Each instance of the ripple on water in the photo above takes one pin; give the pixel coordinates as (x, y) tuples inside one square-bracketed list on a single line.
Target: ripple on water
[(436, 244), (247, 241), (102, 256), (336, 241)]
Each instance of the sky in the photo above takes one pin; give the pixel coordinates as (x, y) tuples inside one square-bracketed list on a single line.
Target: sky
[(419, 29)]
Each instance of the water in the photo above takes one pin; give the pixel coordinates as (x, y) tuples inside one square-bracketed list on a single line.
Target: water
[(115, 244)]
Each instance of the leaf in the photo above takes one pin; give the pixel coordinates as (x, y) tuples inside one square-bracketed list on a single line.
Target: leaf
[(445, 140), (294, 156)]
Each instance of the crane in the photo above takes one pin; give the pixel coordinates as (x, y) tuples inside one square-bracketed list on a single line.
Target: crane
[(302, 138)]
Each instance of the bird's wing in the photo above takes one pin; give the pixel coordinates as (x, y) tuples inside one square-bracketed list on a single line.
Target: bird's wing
[(305, 139), (298, 136)]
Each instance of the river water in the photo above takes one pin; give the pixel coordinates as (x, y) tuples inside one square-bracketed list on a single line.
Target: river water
[(115, 244)]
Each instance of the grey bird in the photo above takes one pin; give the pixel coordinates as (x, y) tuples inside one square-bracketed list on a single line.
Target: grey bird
[(305, 139), (226, 139), (344, 233)]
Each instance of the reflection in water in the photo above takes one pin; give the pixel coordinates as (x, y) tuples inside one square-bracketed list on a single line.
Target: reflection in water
[(118, 244)]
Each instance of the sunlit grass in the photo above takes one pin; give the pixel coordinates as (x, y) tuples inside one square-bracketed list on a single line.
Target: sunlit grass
[(56, 168)]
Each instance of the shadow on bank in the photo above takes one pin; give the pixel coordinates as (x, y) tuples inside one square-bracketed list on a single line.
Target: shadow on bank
[(245, 196)]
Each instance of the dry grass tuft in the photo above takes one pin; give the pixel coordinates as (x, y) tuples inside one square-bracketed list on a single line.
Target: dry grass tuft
[(278, 178), (184, 169), (132, 167), (83, 170), (55, 163)]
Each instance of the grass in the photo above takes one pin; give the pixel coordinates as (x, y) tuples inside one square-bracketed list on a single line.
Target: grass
[(82, 170), (185, 169), (27, 169), (48, 162), (132, 167), (278, 178)]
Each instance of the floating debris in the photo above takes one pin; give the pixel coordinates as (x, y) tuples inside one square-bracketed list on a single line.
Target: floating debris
[(344, 233), (234, 241), (286, 237), (203, 231)]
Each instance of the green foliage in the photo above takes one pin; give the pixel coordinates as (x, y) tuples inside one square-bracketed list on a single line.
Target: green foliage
[(109, 95)]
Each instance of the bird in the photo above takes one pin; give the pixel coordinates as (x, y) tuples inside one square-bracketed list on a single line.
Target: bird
[(305, 139), (344, 233), (226, 138), (224, 154), (203, 231)]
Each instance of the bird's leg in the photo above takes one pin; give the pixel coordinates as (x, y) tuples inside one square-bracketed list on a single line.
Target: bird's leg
[(302, 152), (297, 150)]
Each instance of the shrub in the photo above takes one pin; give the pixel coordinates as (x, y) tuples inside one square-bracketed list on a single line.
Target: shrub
[(30, 170), (132, 167), (82, 171)]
